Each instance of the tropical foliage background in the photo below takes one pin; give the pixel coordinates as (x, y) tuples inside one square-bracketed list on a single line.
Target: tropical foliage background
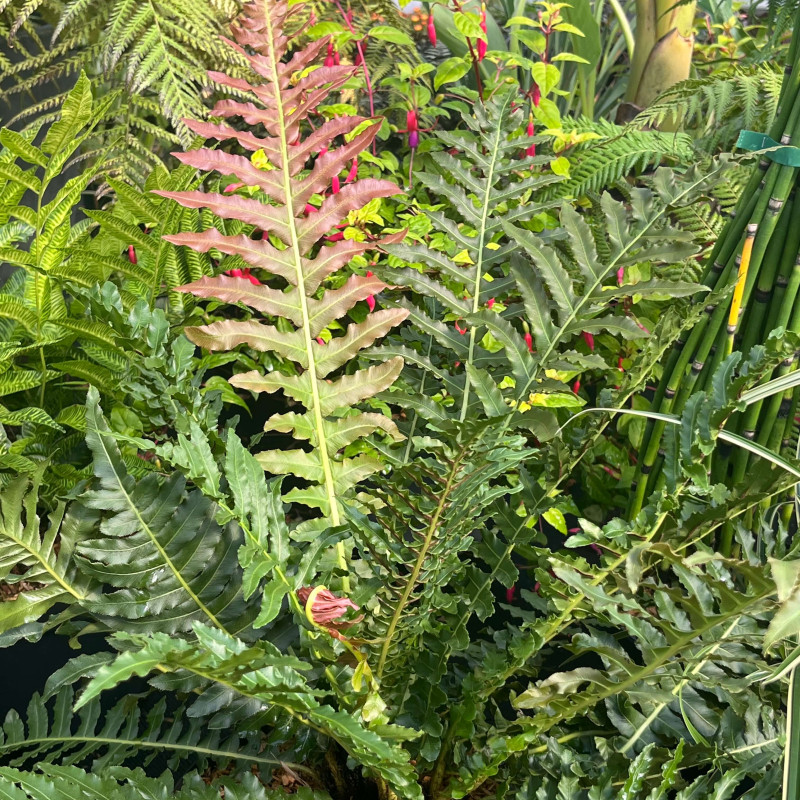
[(399, 403)]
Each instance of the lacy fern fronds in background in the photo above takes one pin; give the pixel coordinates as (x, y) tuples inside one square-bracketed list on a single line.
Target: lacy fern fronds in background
[(296, 259), (156, 54), (618, 152), (715, 108)]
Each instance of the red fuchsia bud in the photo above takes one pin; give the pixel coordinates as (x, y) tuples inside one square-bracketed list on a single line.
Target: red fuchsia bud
[(413, 140), (490, 302), (510, 592), (335, 185), (323, 151), (353, 174), (461, 330), (576, 387), (620, 276), (320, 340), (329, 57), (309, 209), (232, 187), (335, 237), (371, 298), (359, 59), (596, 548), (132, 254), (536, 587), (336, 58), (235, 273), (457, 364), (529, 342), (411, 121), (589, 339), (482, 42), (530, 151), (431, 29), (252, 278), (619, 364), (536, 94), (326, 609)]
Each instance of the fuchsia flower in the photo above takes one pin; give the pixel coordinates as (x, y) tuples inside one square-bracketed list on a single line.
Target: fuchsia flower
[(309, 209), (482, 42), (132, 254), (371, 298), (320, 341), (329, 59), (412, 128), (531, 150), (327, 609), (461, 330), (620, 276), (431, 29), (536, 94), (335, 185), (529, 341), (232, 187), (353, 174), (490, 302), (576, 386), (589, 339)]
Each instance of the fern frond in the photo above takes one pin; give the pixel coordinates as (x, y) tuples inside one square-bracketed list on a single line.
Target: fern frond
[(619, 153), (308, 306), (716, 107)]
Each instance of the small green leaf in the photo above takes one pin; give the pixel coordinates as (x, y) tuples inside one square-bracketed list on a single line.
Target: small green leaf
[(387, 33), (451, 70)]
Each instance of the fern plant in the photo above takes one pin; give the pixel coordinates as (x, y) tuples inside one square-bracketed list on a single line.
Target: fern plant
[(299, 266), (151, 58), (505, 308)]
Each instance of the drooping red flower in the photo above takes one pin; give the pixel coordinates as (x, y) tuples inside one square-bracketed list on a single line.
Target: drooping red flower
[(371, 298), (329, 61), (327, 609), (411, 121), (536, 94), (490, 302), (529, 341), (431, 29), (482, 42), (132, 254), (531, 150), (335, 185), (589, 339), (353, 173)]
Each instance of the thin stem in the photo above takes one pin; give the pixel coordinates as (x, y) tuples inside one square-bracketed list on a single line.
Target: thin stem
[(625, 26)]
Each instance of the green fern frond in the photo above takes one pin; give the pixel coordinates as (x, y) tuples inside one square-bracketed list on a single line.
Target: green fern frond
[(716, 107), (619, 153)]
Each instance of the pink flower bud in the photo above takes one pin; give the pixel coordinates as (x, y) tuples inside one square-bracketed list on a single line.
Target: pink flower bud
[(411, 121), (371, 303), (353, 174), (232, 187), (326, 609), (510, 592), (431, 29), (620, 276), (482, 47), (335, 186), (536, 94), (589, 339), (529, 342), (309, 209), (320, 340), (490, 302), (576, 387), (132, 255), (329, 57), (235, 273)]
